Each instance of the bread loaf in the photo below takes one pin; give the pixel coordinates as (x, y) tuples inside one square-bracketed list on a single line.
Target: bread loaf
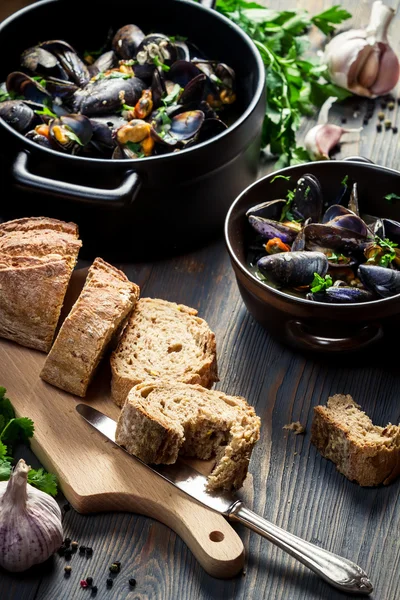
[(96, 317), (363, 452), (163, 340), (163, 419), (37, 257)]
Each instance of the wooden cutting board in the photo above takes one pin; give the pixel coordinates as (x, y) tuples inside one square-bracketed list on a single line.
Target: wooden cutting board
[(94, 474)]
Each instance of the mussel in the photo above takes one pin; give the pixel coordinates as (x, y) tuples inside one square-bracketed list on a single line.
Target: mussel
[(342, 295), (307, 203), (127, 40), (17, 114), (293, 269), (381, 280), (267, 229), (107, 95), (72, 64), (71, 132)]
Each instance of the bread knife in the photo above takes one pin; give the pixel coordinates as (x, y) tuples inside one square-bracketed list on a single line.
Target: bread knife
[(339, 572)]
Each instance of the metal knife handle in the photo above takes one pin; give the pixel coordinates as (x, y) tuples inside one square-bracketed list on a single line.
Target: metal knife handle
[(336, 570)]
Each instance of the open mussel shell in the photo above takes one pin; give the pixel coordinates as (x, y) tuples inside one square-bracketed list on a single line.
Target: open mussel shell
[(194, 90), (22, 85), (387, 228), (353, 202), (268, 210), (127, 40), (73, 65), (182, 72), (41, 140), (293, 269), (103, 63), (268, 229), (381, 280), (342, 295), (353, 223), (42, 62), (335, 210), (17, 114), (59, 88), (155, 47), (104, 95), (65, 131), (158, 88), (186, 125), (320, 235), (182, 49), (211, 128), (308, 198)]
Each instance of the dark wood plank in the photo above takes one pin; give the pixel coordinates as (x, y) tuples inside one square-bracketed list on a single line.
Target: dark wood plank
[(291, 484)]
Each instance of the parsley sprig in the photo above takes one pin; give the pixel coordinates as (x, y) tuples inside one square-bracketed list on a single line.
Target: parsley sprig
[(12, 431), (295, 86), (320, 284), (389, 251)]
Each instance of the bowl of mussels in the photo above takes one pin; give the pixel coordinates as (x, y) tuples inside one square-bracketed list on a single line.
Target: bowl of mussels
[(316, 253), (141, 123)]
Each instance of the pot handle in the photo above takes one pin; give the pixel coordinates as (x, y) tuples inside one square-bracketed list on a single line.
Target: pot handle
[(360, 159), (121, 196), (302, 336)]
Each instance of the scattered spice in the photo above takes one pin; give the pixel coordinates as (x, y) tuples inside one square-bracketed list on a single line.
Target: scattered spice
[(74, 546), (89, 551), (61, 550), (109, 582), (132, 582), (83, 583), (68, 569), (68, 554), (66, 507), (365, 121), (89, 580), (391, 105), (379, 127), (394, 129), (114, 568), (344, 120), (388, 124), (117, 562), (381, 115), (82, 549), (67, 542), (398, 100), (383, 104), (94, 590), (296, 427)]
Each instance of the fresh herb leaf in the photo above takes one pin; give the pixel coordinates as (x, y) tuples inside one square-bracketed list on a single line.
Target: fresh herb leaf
[(71, 135), (46, 482), (160, 64), (17, 430), (136, 149), (320, 284), (46, 111), (5, 470), (287, 177), (391, 197), (386, 243), (345, 180), (6, 409), (40, 80), (172, 97), (327, 20), (127, 107), (286, 215)]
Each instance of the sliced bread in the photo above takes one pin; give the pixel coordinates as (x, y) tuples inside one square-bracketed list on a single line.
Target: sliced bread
[(163, 419), (37, 257), (163, 340), (362, 451), (96, 318)]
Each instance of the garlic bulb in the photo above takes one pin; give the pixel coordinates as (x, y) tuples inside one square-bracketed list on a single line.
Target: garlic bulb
[(362, 60), (324, 136), (30, 522)]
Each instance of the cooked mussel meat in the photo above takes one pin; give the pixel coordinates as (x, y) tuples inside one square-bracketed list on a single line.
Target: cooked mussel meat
[(70, 132), (293, 269)]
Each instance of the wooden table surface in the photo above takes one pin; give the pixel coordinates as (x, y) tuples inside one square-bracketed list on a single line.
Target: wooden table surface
[(290, 483)]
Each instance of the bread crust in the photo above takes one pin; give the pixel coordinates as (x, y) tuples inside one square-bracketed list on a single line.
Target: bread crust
[(162, 419), (36, 223), (369, 459), (96, 317), (156, 329)]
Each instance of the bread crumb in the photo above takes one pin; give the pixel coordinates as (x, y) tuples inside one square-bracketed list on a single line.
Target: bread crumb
[(296, 427)]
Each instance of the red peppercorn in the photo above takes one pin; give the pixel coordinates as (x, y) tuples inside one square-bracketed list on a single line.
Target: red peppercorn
[(84, 583)]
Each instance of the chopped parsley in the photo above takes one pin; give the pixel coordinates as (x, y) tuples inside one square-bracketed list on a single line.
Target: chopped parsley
[(391, 197), (39, 80), (160, 64), (345, 180), (172, 97), (136, 149), (46, 111), (286, 214), (320, 284), (333, 257), (72, 136), (389, 254), (287, 177)]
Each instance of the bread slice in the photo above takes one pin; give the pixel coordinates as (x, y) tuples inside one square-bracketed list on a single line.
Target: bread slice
[(363, 452), (163, 340), (37, 257), (97, 316), (163, 419)]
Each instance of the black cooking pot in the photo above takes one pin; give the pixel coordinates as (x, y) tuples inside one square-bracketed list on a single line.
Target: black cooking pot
[(304, 324), (141, 208)]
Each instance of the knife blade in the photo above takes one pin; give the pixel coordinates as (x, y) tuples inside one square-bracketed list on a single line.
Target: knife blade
[(338, 571)]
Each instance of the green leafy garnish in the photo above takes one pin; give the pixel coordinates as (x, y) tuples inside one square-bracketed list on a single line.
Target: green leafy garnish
[(19, 429), (333, 257), (391, 197), (389, 252), (287, 177), (327, 20), (136, 149), (345, 180), (46, 111), (286, 214), (127, 107), (158, 63), (295, 87), (40, 80), (177, 38), (172, 97), (47, 482), (320, 284), (71, 135)]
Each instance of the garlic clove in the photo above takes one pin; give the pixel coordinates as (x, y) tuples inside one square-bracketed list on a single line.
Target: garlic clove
[(389, 72), (320, 139), (30, 522)]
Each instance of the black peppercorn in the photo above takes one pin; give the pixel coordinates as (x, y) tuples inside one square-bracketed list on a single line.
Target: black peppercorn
[(379, 127), (117, 562), (383, 104), (89, 580), (68, 554), (394, 129), (89, 551), (68, 570), (365, 122), (82, 549), (132, 582), (94, 589), (114, 568), (67, 542), (66, 507), (109, 582), (344, 120), (61, 550)]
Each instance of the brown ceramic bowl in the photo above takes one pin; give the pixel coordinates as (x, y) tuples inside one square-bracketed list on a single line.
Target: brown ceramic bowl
[(301, 323)]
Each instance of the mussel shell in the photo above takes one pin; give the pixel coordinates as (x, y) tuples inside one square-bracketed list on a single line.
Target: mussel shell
[(210, 128), (186, 124), (39, 60), (59, 88), (194, 90), (69, 59), (158, 89), (269, 229), (104, 95), (308, 200), (23, 85), (103, 133), (381, 280), (78, 124), (353, 223), (388, 228), (41, 140), (182, 72), (330, 236), (103, 63), (268, 210), (226, 74), (293, 269), (17, 114), (335, 210), (182, 49), (168, 49), (127, 40), (342, 295), (353, 202)]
